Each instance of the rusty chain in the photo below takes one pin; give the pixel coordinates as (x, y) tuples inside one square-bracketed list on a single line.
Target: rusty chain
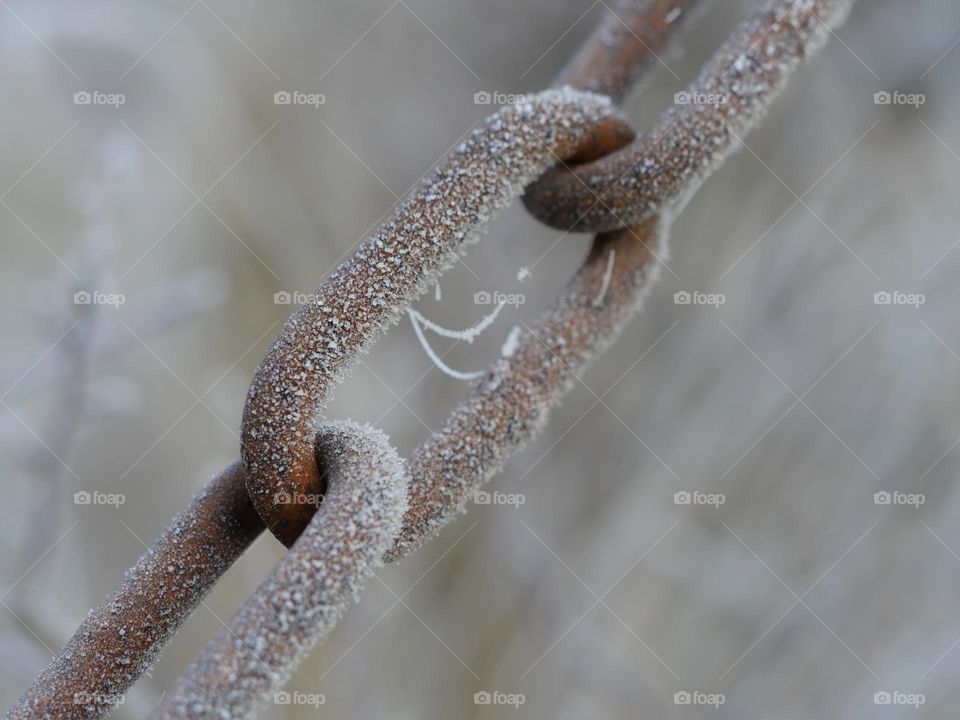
[(377, 507), (661, 170)]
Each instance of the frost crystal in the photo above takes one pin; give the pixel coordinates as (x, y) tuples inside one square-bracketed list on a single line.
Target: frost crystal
[(391, 269)]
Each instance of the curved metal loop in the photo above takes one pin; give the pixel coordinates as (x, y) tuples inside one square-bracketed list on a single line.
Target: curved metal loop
[(119, 639), (660, 170), (625, 44), (503, 410), (304, 596), (388, 272), (366, 518)]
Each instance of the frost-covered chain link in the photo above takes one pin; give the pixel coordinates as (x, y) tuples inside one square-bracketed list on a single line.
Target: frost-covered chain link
[(627, 42), (391, 269), (304, 596), (367, 517), (662, 169)]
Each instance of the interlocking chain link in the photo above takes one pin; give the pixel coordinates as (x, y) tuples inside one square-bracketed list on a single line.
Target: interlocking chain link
[(662, 169), (366, 517)]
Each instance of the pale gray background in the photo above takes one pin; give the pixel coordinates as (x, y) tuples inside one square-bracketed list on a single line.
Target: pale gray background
[(798, 598)]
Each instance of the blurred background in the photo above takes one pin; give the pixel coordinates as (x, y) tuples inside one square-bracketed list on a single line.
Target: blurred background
[(147, 166)]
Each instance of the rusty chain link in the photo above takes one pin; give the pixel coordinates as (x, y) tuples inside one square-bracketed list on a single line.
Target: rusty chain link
[(377, 507), (661, 170)]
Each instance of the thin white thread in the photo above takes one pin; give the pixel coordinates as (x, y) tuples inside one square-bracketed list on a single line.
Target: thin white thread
[(605, 285)]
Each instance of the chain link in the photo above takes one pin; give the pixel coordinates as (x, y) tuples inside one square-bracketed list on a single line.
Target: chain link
[(629, 193)]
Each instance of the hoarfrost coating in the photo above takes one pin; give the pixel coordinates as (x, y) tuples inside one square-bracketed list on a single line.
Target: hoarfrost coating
[(390, 270)]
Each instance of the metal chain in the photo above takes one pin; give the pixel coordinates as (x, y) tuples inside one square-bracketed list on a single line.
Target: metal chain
[(661, 170), (365, 518)]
